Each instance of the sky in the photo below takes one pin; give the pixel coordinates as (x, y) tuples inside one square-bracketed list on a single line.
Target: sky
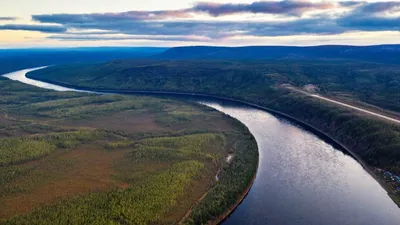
[(74, 23)]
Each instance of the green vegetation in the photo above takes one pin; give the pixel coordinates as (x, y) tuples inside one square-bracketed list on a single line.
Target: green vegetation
[(187, 147), (82, 107), (233, 180), (373, 83), (173, 120), (16, 150), (144, 204), (76, 158)]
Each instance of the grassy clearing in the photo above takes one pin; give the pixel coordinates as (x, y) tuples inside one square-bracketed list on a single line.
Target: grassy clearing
[(84, 107)]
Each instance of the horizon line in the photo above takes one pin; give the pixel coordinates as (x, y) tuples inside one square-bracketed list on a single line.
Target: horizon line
[(183, 46)]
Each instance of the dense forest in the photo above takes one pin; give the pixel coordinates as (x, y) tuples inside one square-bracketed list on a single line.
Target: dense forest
[(77, 158), (374, 141), (374, 53), (376, 84)]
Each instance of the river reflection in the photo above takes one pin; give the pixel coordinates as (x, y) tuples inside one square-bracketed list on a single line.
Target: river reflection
[(301, 179), (304, 180)]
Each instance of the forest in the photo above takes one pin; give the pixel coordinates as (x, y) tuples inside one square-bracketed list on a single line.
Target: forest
[(372, 83), (77, 158)]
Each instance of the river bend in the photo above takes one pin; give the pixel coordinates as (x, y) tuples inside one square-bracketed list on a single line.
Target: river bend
[(301, 180)]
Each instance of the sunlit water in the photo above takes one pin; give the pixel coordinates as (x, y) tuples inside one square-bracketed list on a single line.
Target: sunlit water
[(20, 76), (301, 179)]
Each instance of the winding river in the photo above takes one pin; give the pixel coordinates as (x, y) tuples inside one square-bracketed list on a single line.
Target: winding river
[(301, 180)]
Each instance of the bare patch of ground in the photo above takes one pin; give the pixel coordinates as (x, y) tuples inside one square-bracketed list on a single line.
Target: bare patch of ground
[(127, 121)]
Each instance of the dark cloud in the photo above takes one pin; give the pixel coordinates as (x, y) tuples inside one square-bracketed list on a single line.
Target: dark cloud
[(123, 16), (84, 32), (266, 7), (372, 17), (318, 26), (377, 7), (8, 18), (367, 23), (351, 3), (40, 28), (110, 38)]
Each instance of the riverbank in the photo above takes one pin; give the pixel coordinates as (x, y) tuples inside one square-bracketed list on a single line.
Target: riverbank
[(226, 215), (229, 211)]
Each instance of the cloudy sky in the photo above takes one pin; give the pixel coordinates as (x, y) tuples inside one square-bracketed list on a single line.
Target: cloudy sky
[(52, 23)]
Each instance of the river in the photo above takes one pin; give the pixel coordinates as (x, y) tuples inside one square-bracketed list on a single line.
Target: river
[(301, 180)]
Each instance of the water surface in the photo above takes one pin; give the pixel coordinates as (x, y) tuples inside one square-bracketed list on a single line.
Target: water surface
[(304, 180), (20, 76)]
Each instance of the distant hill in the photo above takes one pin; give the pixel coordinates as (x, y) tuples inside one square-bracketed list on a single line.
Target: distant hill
[(378, 53), (16, 59)]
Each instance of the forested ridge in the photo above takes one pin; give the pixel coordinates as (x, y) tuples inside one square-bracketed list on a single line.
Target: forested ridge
[(373, 53), (377, 84)]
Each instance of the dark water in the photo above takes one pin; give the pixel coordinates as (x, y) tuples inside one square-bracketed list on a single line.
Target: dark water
[(301, 180)]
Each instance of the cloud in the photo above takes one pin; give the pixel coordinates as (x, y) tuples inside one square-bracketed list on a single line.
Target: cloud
[(378, 7), (214, 9), (119, 38), (372, 17), (318, 26), (123, 16), (8, 18), (368, 23), (157, 25), (224, 29), (40, 28), (207, 30), (91, 32), (352, 3), (295, 7)]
